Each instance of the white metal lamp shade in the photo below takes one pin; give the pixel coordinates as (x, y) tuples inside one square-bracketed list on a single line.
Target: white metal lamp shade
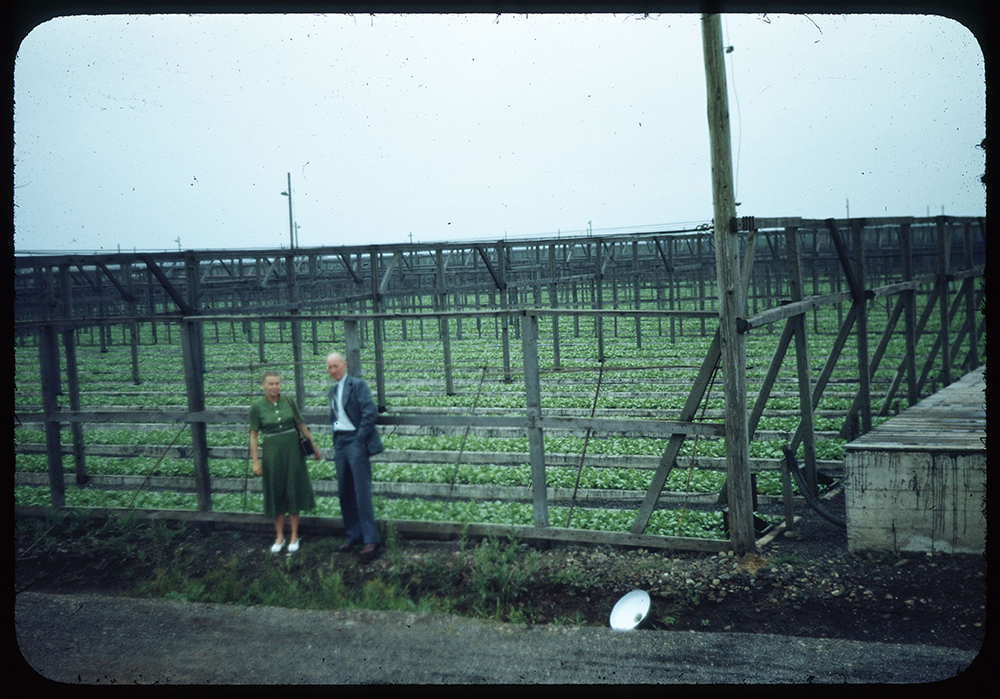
[(630, 611)]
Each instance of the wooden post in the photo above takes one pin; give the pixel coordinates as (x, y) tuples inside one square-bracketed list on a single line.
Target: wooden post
[(637, 290), (193, 350), (671, 281), (786, 496), (798, 324), (352, 347), (969, 285), (378, 306), (554, 302), (909, 315), (864, 365), (441, 304), (48, 358), (313, 285), (598, 296), (72, 378), (505, 306), (732, 301), (103, 330), (943, 268), (133, 328), (702, 265), (533, 398)]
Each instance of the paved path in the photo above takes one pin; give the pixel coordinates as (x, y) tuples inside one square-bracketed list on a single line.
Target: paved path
[(92, 639)]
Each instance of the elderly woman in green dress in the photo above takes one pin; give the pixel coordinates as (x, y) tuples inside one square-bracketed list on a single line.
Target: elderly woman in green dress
[(274, 449)]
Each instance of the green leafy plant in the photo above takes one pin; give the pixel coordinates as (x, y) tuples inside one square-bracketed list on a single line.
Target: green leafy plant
[(499, 575)]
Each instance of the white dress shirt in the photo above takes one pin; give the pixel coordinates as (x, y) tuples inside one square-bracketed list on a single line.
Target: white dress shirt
[(342, 422)]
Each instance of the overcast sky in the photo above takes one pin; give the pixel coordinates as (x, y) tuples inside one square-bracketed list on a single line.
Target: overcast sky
[(167, 132)]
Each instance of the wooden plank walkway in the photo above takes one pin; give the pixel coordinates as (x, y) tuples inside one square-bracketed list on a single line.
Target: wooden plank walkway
[(952, 420)]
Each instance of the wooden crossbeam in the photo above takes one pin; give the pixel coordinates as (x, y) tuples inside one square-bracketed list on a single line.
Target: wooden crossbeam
[(497, 281), (171, 290), (857, 288), (687, 414)]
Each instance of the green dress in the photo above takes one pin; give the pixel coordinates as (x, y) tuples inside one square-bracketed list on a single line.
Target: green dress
[(285, 477)]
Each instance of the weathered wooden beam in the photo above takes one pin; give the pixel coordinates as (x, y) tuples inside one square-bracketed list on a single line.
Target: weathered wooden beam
[(533, 400), (887, 334), (900, 287), (864, 376), (444, 331), (643, 427), (87, 278), (72, 378), (193, 353), (690, 409), (831, 362), (346, 258), (605, 259), (176, 296), (788, 310), (943, 269), (48, 359), (663, 256), (383, 285), (121, 290), (844, 255), (554, 302), (402, 489), (504, 294), (285, 313), (334, 526), (598, 283), (773, 369), (732, 298), (804, 382), (378, 306)]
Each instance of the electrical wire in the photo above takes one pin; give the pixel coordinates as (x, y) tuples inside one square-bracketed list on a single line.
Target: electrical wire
[(739, 123)]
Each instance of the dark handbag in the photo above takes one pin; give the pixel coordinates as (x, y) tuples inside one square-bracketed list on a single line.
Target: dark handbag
[(305, 443)]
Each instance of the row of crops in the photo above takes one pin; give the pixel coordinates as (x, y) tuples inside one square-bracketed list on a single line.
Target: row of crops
[(441, 472)]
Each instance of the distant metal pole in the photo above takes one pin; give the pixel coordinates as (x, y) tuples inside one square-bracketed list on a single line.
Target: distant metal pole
[(291, 219)]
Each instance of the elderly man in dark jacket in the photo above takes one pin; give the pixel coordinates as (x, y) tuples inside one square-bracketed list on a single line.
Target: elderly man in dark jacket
[(352, 416)]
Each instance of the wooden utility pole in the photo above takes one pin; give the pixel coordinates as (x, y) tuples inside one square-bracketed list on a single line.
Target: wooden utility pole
[(732, 301)]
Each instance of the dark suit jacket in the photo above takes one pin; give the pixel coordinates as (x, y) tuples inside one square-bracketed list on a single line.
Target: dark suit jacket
[(360, 409)]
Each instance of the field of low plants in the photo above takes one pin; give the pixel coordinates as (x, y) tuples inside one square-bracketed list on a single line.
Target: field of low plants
[(647, 382)]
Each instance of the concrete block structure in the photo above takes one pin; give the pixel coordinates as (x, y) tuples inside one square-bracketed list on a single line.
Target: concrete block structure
[(917, 482)]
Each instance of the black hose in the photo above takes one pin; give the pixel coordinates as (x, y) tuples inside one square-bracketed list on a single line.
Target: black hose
[(811, 500)]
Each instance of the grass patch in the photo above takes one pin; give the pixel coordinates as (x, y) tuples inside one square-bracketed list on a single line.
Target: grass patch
[(174, 561)]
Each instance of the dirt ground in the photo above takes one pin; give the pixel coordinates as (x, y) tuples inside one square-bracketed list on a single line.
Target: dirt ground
[(808, 586)]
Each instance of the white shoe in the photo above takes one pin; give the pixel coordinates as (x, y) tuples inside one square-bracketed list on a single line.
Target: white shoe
[(294, 546), (276, 548)]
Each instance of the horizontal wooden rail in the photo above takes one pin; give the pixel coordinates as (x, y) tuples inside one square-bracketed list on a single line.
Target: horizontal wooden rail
[(447, 531), (773, 315), (435, 457), (892, 289), (401, 489), (648, 428), (253, 315), (644, 427)]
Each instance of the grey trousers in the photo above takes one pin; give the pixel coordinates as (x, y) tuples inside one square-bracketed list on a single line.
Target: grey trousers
[(354, 487)]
